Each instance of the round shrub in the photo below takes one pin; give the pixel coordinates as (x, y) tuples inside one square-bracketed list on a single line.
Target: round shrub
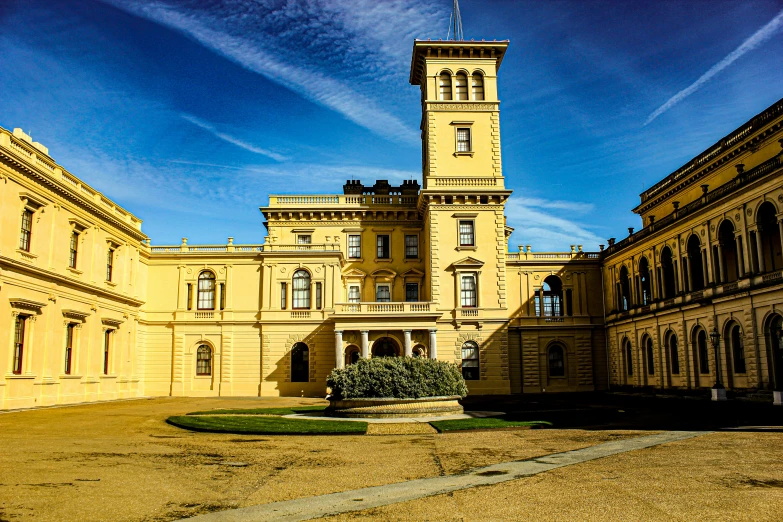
[(397, 378)]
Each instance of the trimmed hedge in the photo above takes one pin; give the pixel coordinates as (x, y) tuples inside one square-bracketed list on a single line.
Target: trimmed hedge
[(397, 378)]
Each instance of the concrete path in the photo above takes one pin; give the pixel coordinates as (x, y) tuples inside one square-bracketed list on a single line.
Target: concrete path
[(359, 499)]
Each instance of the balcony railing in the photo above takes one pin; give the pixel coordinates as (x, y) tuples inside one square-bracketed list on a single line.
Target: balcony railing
[(523, 255), (201, 249), (382, 308), (341, 200)]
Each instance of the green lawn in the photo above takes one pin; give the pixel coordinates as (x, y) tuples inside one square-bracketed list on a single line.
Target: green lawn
[(266, 425), (262, 411), (488, 423)]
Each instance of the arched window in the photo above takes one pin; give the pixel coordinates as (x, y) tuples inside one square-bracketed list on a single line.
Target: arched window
[(624, 290), (206, 290), (419, 351), (445, 86), (552, 292), (352, 354), (628, 357), (300, 363), (301, 290), (470, 361), (674, 356), (695, 264), (461, 86), (385, 347), (650, 353), (769, 236), (556, 361), (667, 273), (702, 352), (728, 265), (478, 86), (204, 360), (734, 336), (644, 282)]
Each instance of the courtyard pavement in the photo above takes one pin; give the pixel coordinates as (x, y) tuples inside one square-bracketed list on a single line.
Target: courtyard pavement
[(121, 461)]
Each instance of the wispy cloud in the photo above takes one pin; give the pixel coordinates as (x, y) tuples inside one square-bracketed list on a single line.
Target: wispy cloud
[(544, 230), (756, 39), (340, 31), (231, 139)]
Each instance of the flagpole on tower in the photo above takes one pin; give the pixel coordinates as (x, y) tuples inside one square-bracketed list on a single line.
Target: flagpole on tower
[(455, 24)]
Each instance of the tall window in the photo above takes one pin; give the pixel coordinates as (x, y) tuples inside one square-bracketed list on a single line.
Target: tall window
[(382, 293), (109, 264), (650, 357), (222, 296), (206, 290), (383, 246), (769, 238), (74, 250), (701, 345), (283, 295), (445, 86), (737, 349), (354, 295), (19, 328), (553, 296), (301, 290), (204, 360), (674, 356), (466, 236), (468, 291), (300, 363), (628, 357), (304, 239), (461, 86), (478, 86), (107, 335), (411, 246), (695, 275), (470, 361), (624, 294), (411, 292), (27, 229), (556, 361), (463, 140), (69, 329), (354, 246), (318, 296), (644, 281), (667, 273)]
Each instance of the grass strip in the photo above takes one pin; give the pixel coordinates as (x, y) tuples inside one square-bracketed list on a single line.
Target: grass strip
[(266, 425), (261, 411), (488, 423)]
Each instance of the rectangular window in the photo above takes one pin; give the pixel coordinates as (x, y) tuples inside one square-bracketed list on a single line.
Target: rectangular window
[(463, 140), (412, 292), (354, 247), (19, 328), (411, 247), (222, 296), (468, 291), (106, 346), (74, 249), (283, 295), (109, 264), (382, 294), (470, 361), (318, 296), (466, 236), (190, 297), (304, 239), (383, 246), (69, 347), (27, 230), (354, 295)]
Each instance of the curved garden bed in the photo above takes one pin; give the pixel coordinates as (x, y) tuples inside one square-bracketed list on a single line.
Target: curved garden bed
[(380, 408)]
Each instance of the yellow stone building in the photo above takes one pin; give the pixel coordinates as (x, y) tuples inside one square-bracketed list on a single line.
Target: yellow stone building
[(92, 311)]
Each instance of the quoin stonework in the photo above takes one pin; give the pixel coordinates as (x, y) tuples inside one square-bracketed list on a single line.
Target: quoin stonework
[(90, 310)]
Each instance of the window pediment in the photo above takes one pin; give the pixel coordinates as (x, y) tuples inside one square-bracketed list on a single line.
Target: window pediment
[(354, 273), (75, 314), (26, 304), (467, 263), (384, 274), (108, 321), (412, 274)]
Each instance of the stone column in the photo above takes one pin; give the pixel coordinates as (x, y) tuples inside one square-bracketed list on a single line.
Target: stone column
[(780, 227), (760, 251), (27, 355), (433, 343), (721, 266), (338, 349), (408, 345), (740, 257), (688, 264), (365, 344)]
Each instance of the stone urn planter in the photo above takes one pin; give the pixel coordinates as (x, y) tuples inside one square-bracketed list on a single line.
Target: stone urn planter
[(391, 408)]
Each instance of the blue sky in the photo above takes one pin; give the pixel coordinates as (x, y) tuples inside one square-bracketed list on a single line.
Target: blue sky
[(189, 113)]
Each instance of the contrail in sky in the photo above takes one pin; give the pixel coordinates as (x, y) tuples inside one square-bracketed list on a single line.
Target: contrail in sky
[(758, 38)]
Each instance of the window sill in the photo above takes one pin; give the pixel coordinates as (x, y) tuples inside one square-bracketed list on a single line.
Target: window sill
[(467, 153), (111, 284), (69, 376), (412, 260), (203, 377), (107, 376), (384, 260), (18, 376), (26, 256), (356, 260), (74, 271), (467, 247)]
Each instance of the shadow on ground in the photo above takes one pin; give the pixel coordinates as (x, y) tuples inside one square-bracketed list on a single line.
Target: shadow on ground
[(622, 410)]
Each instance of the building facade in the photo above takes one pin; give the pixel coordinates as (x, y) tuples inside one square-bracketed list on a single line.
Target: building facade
[(92, 311)]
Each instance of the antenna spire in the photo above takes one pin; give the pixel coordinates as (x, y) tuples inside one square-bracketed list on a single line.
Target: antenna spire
[(455, 24)]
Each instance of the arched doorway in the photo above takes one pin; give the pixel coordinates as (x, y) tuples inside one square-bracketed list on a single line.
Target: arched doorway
[(695, 264), (769, 238), (352, 354), (300, 363), (774, 336), (385, 347), (728, 263)]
